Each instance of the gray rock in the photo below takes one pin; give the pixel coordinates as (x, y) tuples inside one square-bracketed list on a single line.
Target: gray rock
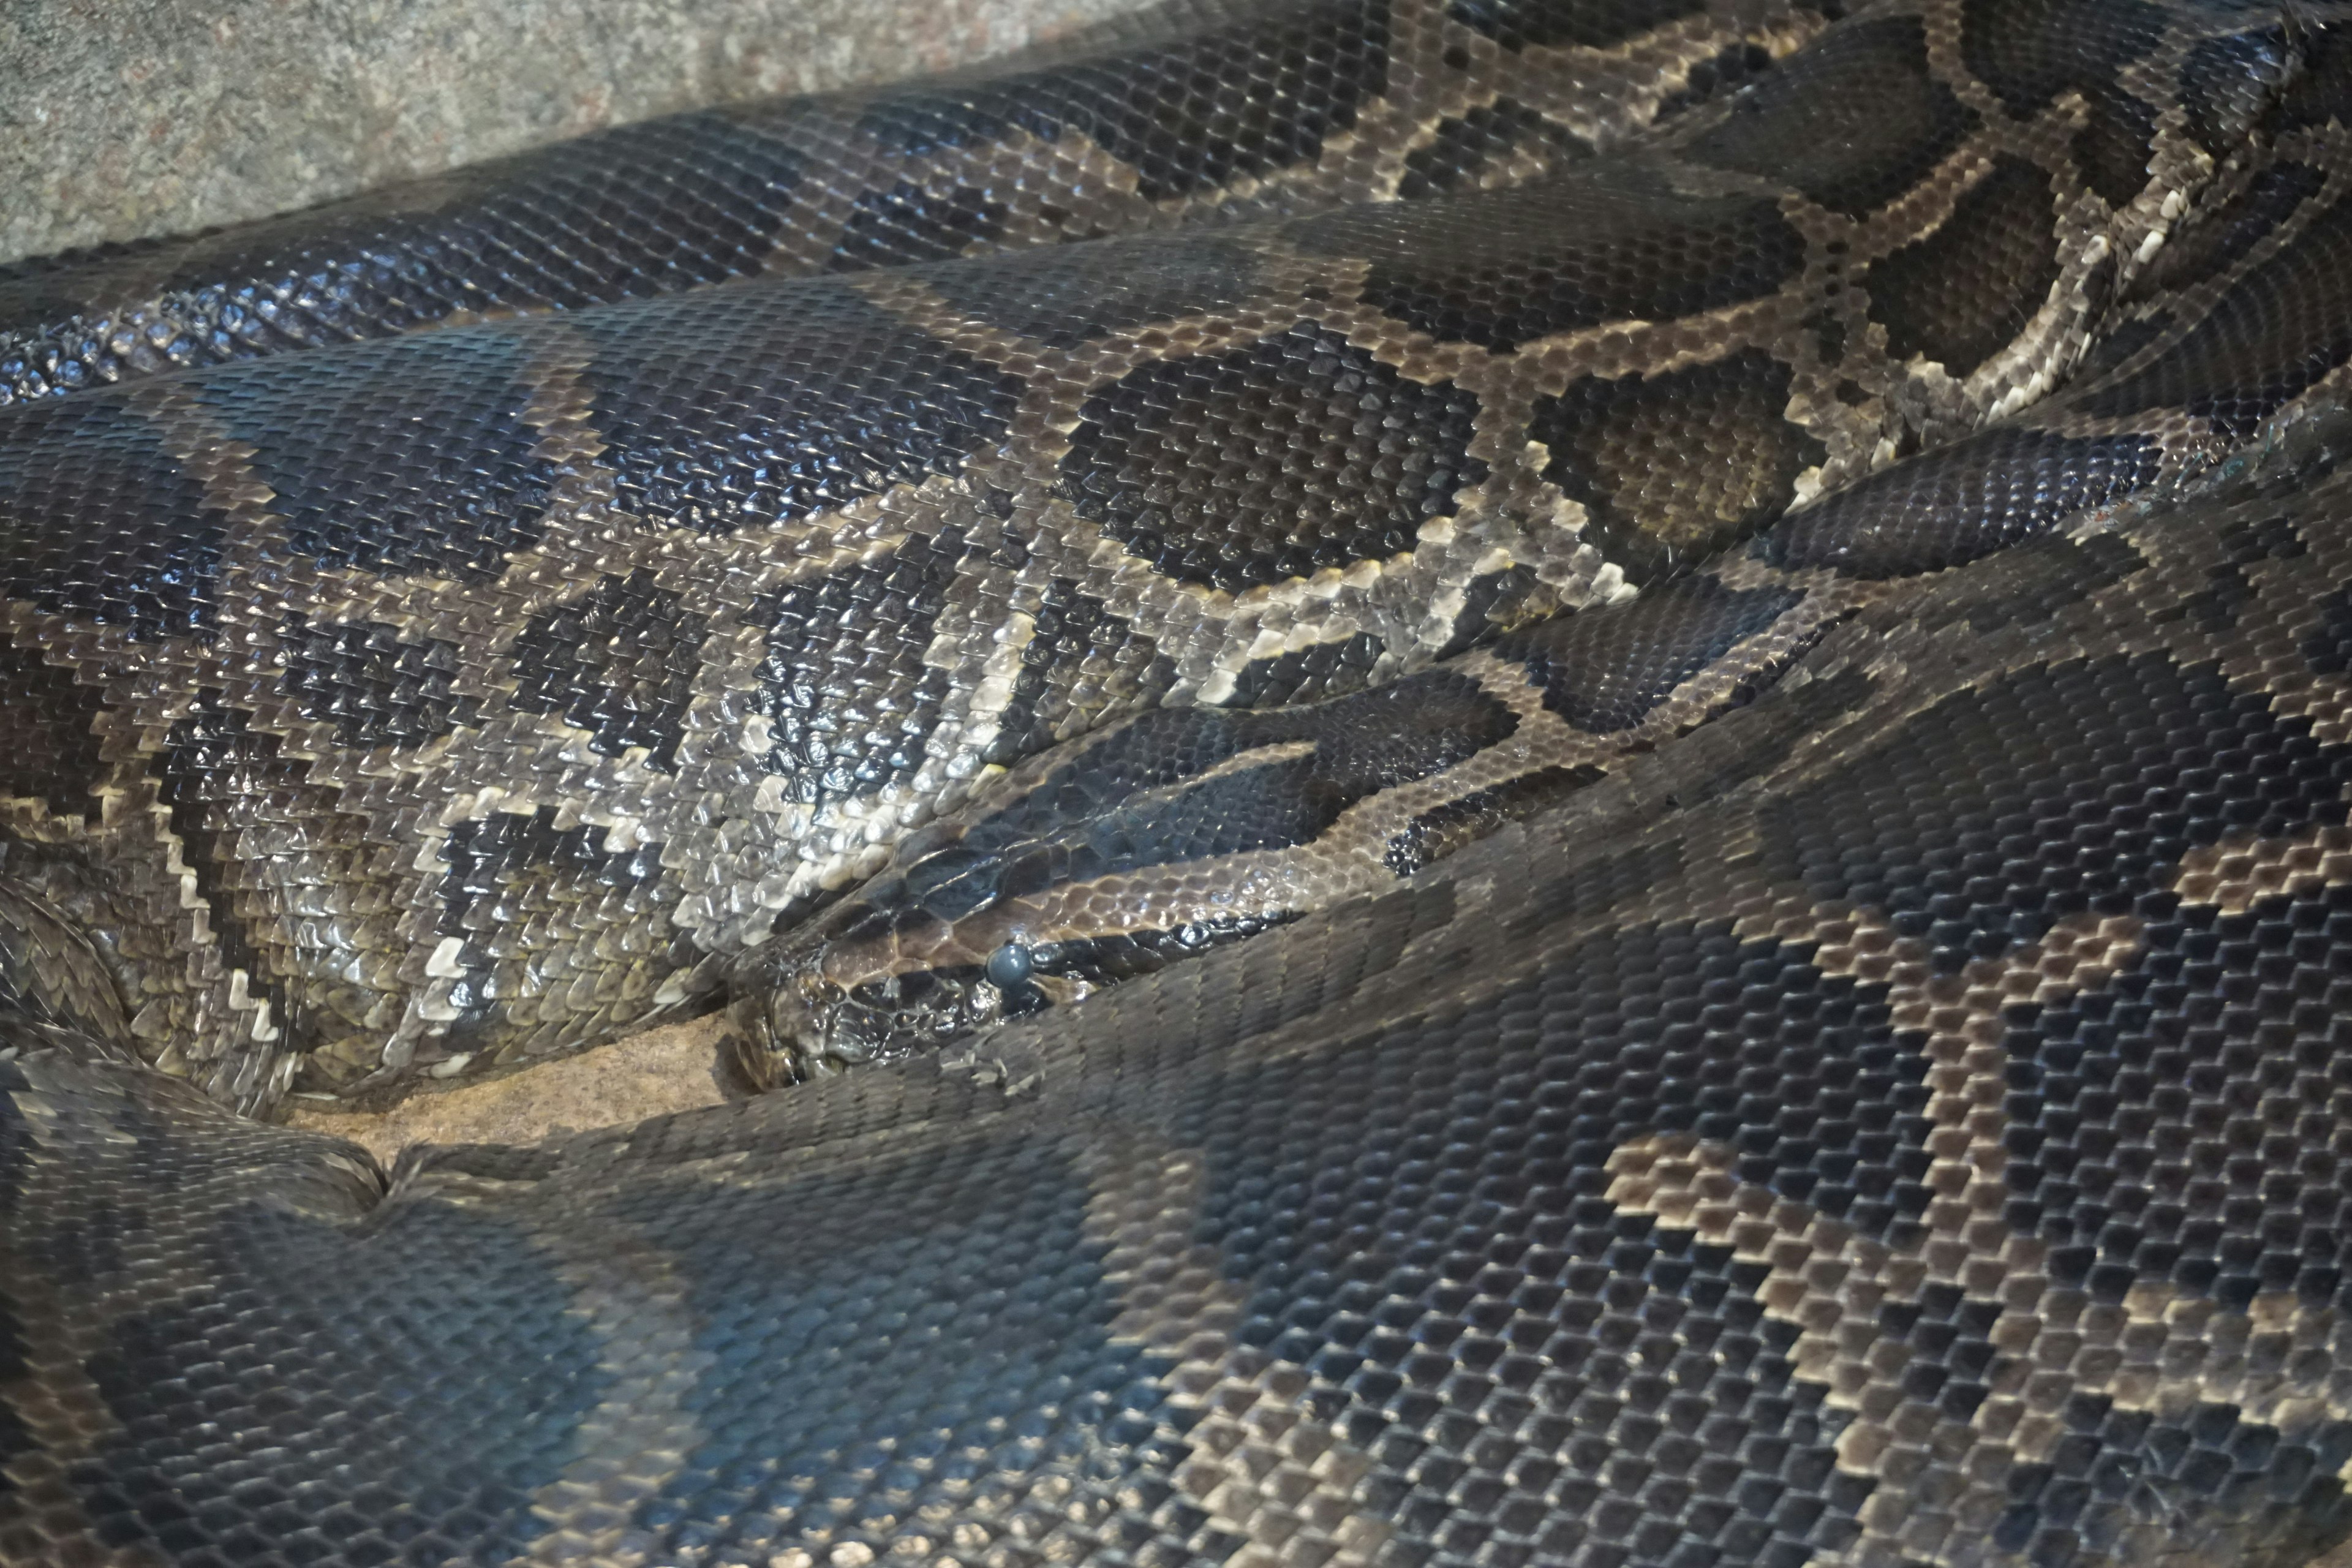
[(141, 117)]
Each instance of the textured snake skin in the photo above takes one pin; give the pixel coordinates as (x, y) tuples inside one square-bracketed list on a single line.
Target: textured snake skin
[(1798, 880), (1184, 112), (1173, 832), (417, 706), (1927, 1144)]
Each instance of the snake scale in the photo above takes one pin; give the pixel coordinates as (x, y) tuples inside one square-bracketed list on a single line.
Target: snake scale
[(1723, 631)]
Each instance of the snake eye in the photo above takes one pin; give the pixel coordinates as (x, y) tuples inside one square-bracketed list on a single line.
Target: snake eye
[(1008, 966)]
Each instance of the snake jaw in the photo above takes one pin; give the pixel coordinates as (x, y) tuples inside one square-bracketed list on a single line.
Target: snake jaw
[(806, 1024)]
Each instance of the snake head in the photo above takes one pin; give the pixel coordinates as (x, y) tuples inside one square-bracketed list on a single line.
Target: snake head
[(1148, 842), (825, 1008)]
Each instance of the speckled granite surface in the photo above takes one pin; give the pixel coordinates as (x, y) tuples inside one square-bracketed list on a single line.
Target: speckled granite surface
[(124, 118)]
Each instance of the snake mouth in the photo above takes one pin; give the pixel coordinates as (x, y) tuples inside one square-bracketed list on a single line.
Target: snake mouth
[(809, 1026)]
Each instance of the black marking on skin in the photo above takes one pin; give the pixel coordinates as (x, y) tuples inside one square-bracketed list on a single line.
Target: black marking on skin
[(1615, 447), (360, 1345), (1961, 502), (1734, 67), (1076, 642), (1856, 121), (618, 662), (398, 456), (1297, 453), (1085, 821), (49, 747), (1463, 148), (2274, 1031), (848, 698), (98, 522), (1261, 93), (2229, 587), (2223, 80), (1925, 823), (1603, 671), (2090, 566), (2328, 649), (1674, 1030), (1065, 296), (2120, 344), (1553, 23), (1501, 268), (1491, 603), (1961, 294), (2221, 238), (377, 687), (2283, 327), (496, 864), (907, 224), (2112, 149), (1307, 674), (993, 1245), (748, 406), (213, 764), (1441, 830), (2028, 53)]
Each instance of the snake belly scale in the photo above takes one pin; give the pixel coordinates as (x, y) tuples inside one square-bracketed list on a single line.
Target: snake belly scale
[(1732, 619)]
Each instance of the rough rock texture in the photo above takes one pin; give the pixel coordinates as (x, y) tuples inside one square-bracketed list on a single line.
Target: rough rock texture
[(141, 117), (652, 1074)]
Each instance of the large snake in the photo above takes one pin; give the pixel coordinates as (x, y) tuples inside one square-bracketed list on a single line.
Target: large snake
[(1780, 1040)]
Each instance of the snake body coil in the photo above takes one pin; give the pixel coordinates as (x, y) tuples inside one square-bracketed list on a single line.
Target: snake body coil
[(1762, 669)]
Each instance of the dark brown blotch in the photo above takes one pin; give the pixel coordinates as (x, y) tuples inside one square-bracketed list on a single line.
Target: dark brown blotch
[(1500, 269), (2212, 241), (1067, 295), (1605, 670), (1672, 466), (376, 686), (848, 698), (1550, 24), (735, 408), (1464, 152), (618, 662), (1081, 659), (98, 521), (1855, 121), (1443, 830), (1297, 453), (407, 455), (907, 224), (1961, 294), (49, 745)]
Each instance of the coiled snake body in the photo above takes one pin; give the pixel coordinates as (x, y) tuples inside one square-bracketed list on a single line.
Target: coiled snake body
[(1758, 1040)]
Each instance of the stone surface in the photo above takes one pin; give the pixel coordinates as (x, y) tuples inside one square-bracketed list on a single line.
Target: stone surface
[(126, 118), (652, 1074)]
